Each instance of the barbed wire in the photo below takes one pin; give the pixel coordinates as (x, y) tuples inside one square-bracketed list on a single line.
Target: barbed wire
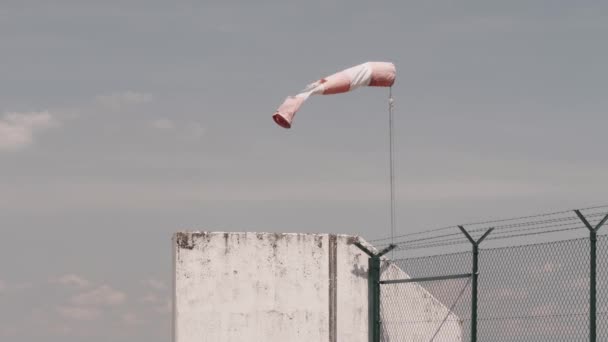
[(494, 236), (541, 223), (460, 241)]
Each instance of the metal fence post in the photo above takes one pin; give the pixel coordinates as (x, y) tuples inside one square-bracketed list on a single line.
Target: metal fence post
[(593, 287), (474, 291), (373, 281), (475, 276), (374, 276), (592, 274)]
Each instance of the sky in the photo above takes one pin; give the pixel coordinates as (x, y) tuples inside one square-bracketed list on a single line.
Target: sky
[(122, 122)]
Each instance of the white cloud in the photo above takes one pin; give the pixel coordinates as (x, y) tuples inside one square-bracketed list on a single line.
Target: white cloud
[(192, 131), (61, 329), (131, 319), (9, 331), (149, 298), (101, 296), (165, 309), (155, 284), (15, 287), (118, 101), (164, 124), (71, 280), (18, 129), (23, 286), (79, 313), (195, 131)]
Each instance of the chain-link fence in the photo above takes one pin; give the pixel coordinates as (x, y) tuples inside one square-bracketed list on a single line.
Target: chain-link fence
[(534, 281), (453, 294)]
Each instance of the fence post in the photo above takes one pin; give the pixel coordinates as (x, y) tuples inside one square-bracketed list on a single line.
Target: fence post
[(373, 292), (475, 276), (374, 276), (592, 274)]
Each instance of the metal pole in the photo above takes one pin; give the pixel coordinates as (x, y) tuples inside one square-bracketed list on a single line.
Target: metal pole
[(391, 163), (375, 275), (371, 298), (474, 292), (593, 288), (373, 292), (593, 274), (475, 276)]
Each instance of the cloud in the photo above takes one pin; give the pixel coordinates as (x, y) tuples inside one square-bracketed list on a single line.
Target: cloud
[(101, 296), (131, 319), (79, 313), (23, 286), (17, 129), (155, 284), (118, 101), (61, 329), (164, 124), (195, 131), (15, 287), (71, 280), (190, 132), (9, 331), (164, 309), (150, 298)]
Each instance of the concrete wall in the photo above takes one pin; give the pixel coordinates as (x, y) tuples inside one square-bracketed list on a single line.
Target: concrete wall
[(239, 287)]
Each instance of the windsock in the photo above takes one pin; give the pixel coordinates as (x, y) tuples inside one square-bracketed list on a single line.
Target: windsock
[(371, 74)]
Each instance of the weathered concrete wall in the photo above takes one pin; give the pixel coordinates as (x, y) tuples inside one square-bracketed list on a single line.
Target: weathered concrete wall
[(239, 287)]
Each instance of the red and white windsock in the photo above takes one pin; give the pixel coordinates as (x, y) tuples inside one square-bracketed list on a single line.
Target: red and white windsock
[(371, 74)]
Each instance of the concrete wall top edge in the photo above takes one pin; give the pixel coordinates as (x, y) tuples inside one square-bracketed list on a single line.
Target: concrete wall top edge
[(204, 232), (183, 238)]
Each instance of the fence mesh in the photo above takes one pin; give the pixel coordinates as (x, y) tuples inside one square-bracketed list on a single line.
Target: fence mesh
[(533, 287), (452, 294), (535, 293)]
